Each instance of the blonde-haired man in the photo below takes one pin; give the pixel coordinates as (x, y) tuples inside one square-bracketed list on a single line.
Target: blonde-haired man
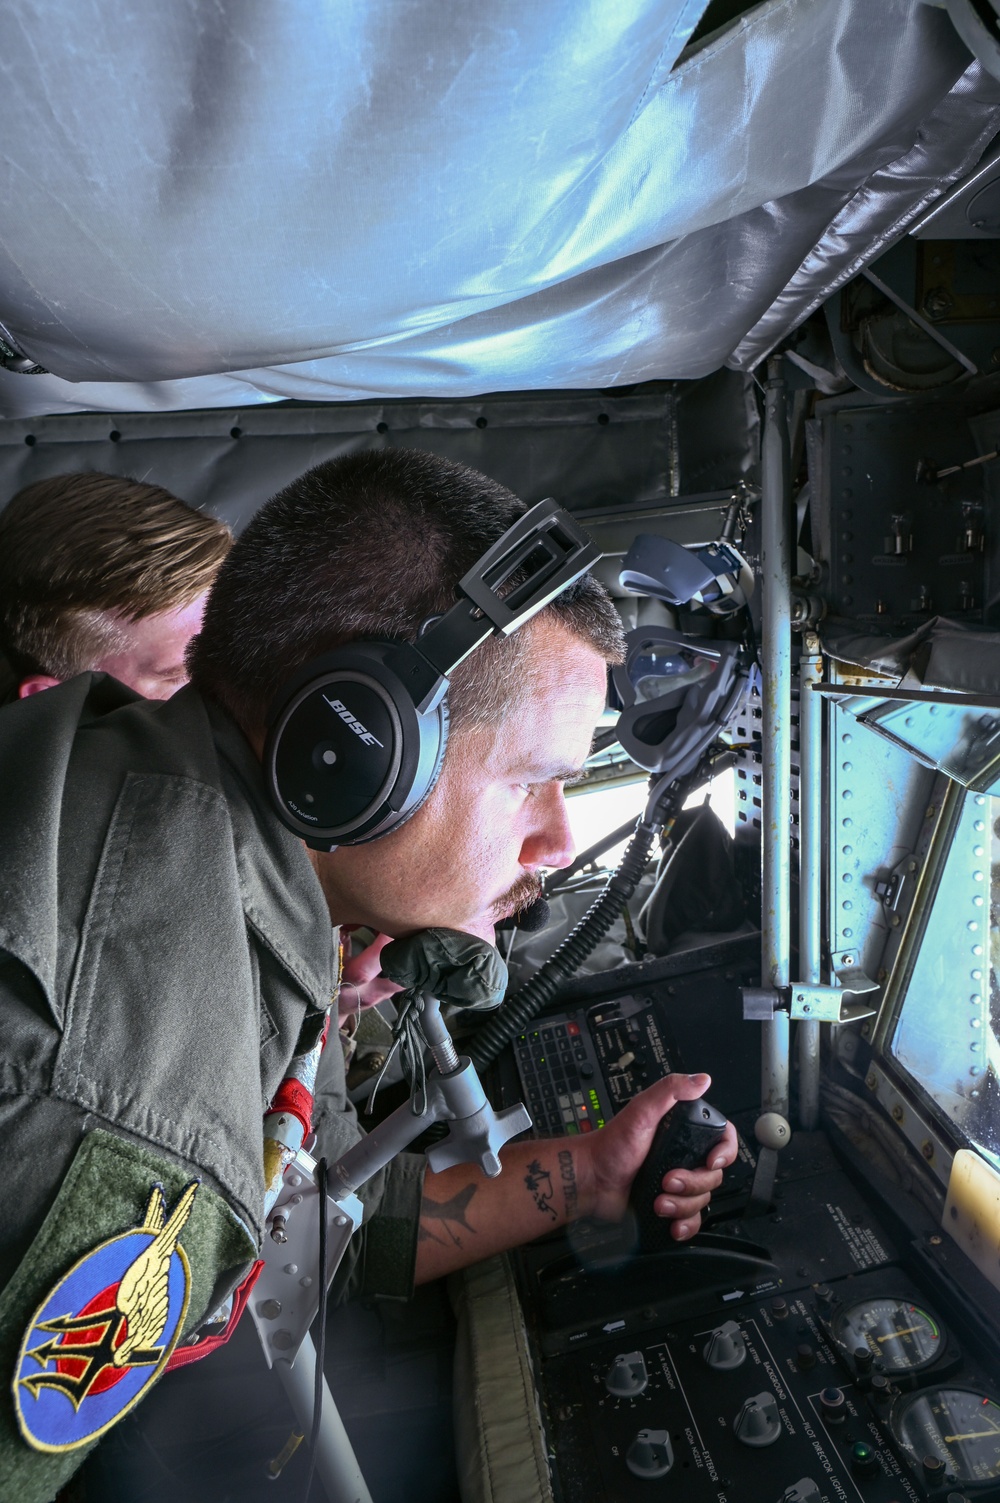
[(105, 574)]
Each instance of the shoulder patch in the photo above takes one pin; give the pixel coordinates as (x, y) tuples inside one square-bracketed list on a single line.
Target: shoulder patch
[(105, 1331)]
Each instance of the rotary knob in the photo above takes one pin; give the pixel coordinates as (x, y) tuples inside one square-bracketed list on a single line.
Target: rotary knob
[(627, 1375), (725, 1348), (758, 1422), (650, 1454)]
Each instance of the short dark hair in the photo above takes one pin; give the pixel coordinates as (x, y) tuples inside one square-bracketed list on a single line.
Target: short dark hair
[(79, 550), (369, 545)]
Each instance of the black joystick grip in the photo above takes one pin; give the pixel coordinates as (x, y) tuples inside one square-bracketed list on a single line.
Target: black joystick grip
[(683, 1140)]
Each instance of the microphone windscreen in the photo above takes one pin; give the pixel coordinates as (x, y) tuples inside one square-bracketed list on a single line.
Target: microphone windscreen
[(534, 917)]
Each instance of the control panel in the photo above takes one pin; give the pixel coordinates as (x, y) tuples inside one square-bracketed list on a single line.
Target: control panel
[(793, 1357), (841, 1392), (804, 1348), (561, 1081)]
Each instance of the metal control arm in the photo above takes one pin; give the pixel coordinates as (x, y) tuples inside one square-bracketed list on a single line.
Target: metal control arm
[(287, 1294)]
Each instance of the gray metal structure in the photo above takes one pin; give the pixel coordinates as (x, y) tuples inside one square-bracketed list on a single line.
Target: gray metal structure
[(776, 590)]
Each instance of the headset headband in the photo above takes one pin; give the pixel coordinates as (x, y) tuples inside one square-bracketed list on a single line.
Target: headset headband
[(547, 543)]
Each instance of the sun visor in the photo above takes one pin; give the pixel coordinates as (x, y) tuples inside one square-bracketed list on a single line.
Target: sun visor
[(254, 203)]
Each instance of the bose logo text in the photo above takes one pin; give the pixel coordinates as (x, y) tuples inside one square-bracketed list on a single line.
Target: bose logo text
[(339, 708)]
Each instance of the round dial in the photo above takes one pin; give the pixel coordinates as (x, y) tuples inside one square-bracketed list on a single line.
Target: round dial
[(901, 1336), (958, 1425)]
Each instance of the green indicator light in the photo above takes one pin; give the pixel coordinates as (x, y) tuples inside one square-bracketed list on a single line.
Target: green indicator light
[(861, 1451)]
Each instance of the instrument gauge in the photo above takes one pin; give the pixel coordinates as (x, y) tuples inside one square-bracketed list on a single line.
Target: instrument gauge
[(959, 1426), (901, 1336)]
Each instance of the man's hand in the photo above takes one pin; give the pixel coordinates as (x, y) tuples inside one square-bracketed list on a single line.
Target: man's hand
[(617, 1151), (547, 1182), (362, 982)]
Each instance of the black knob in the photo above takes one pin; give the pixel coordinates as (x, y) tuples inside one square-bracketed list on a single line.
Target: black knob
[(833, 1405), (779, 1308), (650, 1454), (627, 1376), (934, 1468), (758, 1423), (824, 1299), (725, 1347), (805, 1357)]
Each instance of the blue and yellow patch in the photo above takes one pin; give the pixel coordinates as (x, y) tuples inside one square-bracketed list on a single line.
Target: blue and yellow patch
[(105, 1331)]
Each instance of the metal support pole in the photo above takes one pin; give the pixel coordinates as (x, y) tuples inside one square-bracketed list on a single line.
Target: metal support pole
[(776, 730), (810, 871), (336, 1462)]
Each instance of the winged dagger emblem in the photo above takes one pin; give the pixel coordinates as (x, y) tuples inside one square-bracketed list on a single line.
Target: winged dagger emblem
[(143, 1295), (113, 1337)]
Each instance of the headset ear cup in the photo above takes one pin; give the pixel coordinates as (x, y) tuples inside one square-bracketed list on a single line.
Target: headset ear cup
[(421, 794), (348, 755)]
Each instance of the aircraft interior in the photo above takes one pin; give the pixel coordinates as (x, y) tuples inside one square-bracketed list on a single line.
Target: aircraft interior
[(732, 297)]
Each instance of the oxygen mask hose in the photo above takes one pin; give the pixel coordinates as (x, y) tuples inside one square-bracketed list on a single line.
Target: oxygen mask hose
[(661, 811)]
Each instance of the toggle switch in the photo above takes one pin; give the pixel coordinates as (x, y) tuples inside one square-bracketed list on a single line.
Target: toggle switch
[(650, 1454), (725, 1348), (758, 1423), (803, 1491), (627, 1375)]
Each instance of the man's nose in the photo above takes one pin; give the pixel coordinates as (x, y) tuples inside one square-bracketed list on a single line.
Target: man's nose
[(550, 842)]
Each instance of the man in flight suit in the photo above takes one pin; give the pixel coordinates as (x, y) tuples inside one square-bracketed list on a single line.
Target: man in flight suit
[(166, 948)]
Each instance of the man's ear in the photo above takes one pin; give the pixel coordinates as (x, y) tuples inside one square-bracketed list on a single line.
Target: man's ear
[(35, 683)]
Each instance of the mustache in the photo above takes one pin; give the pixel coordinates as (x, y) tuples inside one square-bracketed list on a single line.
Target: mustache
[(521, 895)]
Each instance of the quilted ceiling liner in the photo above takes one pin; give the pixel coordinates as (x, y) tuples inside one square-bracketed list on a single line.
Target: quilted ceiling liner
[(216, 204)]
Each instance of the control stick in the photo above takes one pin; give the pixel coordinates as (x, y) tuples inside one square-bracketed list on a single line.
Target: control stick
[(683, 1139)]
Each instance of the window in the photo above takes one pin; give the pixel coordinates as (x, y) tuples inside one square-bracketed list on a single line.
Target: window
[(947, 1036), (595, 812)]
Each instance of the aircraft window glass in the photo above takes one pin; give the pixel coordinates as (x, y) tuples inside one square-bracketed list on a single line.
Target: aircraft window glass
[(595, 812), (948, 1034)]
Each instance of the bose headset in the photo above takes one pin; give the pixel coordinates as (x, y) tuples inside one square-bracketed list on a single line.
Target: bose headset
[(356, 739)]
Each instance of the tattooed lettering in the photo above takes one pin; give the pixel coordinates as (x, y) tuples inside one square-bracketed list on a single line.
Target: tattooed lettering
[(567, 1174), (539, 1182), (448, 1213)]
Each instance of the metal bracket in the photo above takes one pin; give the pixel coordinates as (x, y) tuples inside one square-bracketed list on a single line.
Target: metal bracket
[(285, 1298), (813, 1003), (831, 1004)]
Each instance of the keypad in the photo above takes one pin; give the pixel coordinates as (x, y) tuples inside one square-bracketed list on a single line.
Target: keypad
[(563, 1089)]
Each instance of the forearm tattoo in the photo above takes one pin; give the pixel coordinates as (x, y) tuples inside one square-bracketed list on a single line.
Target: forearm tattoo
[(447, 1215), (567, 1175), (539, 1182)]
